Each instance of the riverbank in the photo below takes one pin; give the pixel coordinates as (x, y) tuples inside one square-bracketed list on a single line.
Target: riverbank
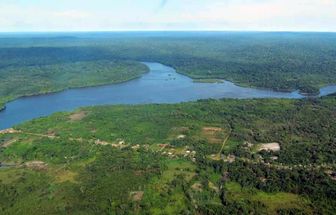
[(139, 70), (3, 102), (21, 81), (313, 91), (2, 107), (161, 85), (316, 93)]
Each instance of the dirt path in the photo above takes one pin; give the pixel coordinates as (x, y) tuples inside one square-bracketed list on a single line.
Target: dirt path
[(224, 142), (8, 143), (13, 131), (40, 135), (289, 167)]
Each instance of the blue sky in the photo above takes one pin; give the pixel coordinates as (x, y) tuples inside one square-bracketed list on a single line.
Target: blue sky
[(117, 15)]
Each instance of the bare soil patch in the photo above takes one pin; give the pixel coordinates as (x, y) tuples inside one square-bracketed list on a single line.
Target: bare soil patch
[(36, 165), (212, 134), (103, 143), (77, 116), (212, 129), (269, 147), (136, 195), (197, 187), (9, 131)]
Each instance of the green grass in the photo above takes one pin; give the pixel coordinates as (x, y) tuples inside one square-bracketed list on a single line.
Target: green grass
[(272, 201), (177, 167)]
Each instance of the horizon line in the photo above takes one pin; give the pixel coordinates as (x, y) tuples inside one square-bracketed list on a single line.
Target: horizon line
[(163, 30)]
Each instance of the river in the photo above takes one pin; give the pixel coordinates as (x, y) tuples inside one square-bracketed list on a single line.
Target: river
[(160, 85)]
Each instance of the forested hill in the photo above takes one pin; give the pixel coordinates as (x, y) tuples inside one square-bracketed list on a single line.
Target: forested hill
[(280, 61)]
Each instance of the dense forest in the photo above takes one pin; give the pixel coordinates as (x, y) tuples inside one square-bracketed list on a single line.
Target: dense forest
[(25, 80), (226, 156), (229, 156), (280, 61)]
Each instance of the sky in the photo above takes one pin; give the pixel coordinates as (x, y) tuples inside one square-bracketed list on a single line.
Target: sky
[(184, 15)]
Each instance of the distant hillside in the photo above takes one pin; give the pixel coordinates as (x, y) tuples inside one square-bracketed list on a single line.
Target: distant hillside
[(280, 61)]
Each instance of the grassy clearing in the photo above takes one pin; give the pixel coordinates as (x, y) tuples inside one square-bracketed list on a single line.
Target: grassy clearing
[(178, 167), (272, 201), (63, 175), (213, 134), (160, 189)]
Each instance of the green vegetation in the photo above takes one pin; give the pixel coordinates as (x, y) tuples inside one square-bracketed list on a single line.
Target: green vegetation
[(27, 80), (197, 157), (273, 202), (280, 61)]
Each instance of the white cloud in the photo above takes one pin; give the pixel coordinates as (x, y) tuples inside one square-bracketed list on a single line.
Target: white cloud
[(269, 15), (310, 15), (13, 18)]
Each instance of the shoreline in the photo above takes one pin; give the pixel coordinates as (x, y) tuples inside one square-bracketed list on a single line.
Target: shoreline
[(221, 80), (194, 79), (2, 108)]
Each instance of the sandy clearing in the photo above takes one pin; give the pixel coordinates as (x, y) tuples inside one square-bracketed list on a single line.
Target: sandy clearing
[(211, 129), (269, 147), (9, 131), (36, 165)]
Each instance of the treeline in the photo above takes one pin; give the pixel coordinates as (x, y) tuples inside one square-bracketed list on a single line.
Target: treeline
[(43, 78), (280, 61), (320, 189)]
